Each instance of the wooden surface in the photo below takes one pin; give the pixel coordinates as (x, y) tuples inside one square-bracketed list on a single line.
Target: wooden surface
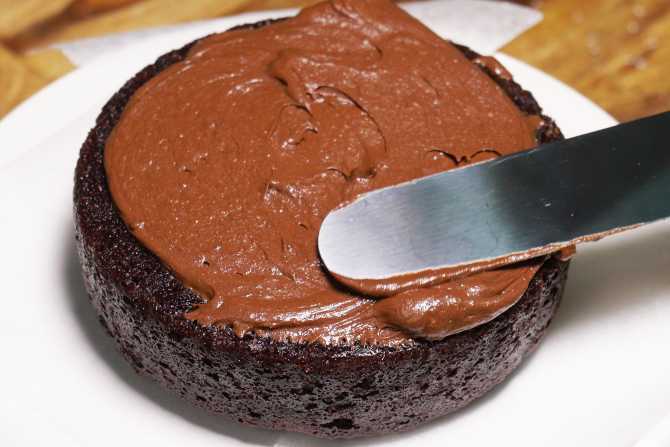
[(616, 52)]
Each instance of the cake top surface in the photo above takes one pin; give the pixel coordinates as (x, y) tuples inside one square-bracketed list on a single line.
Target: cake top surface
[(225, 164)]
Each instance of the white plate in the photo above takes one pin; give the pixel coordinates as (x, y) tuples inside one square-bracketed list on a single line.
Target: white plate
[(601, 377)]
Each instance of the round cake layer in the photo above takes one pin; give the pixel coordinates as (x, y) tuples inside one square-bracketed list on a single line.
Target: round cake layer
[(326, 391)]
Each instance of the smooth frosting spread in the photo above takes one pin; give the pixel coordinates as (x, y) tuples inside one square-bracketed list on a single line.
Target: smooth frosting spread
[(225, 164)]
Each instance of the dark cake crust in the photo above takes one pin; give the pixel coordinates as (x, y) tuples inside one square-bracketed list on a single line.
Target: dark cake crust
[(334, 391)]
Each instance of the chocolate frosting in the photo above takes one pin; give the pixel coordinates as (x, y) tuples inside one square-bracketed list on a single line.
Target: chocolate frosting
[(225, 164)]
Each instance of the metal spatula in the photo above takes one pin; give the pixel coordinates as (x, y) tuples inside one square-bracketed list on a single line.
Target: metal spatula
[(524, 204)]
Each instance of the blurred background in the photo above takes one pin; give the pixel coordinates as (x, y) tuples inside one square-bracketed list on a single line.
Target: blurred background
[(616, 52)]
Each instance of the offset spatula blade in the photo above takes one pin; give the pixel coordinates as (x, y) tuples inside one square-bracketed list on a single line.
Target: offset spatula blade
[(556, 193)]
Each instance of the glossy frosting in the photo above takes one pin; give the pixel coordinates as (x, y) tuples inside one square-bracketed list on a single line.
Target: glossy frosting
[(225, 164)]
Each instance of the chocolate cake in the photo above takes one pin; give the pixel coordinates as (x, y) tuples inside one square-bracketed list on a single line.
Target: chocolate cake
[(198, 197)]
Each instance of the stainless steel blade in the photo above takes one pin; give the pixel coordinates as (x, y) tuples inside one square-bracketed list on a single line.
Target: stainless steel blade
[(556, 193)]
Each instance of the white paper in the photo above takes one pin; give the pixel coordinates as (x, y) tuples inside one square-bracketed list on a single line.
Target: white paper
[(483, 25), (658, 436)]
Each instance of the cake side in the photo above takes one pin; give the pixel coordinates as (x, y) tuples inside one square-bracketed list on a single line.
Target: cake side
[(334, 391)]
